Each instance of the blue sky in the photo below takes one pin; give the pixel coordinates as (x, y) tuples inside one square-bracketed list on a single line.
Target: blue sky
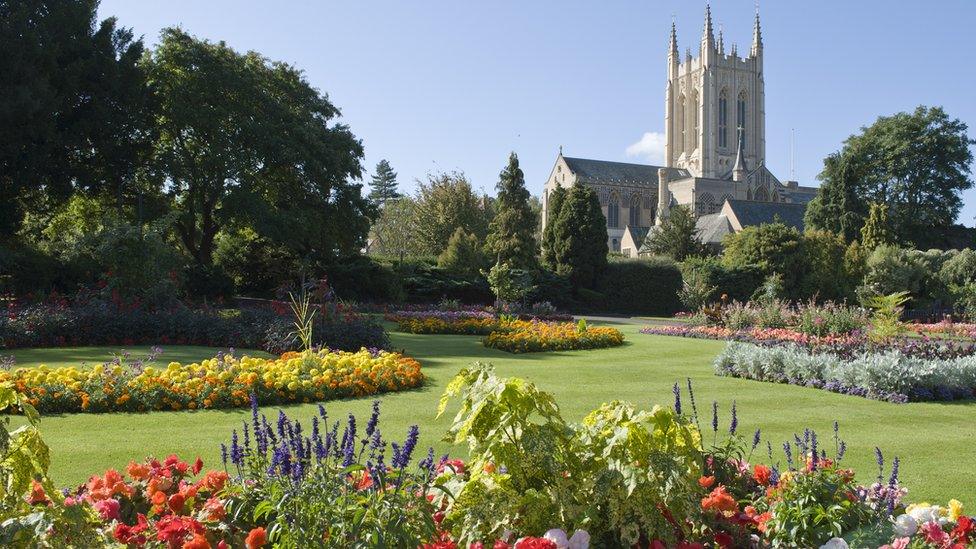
[(443, 85)]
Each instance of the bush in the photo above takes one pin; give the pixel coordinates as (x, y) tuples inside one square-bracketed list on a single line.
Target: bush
[(890, 269), (642, 286), (364, 280), (256, 264), (207, 282), (423, 283), (463, 254), (737, 283), (772, 248)]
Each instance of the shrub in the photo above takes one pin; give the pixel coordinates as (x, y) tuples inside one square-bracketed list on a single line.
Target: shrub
[(364, 280), (890, 269), (463, 254), (737, 283), (772, 248), (643, 286), (208, 282), (423, 283), (221, 382), (256, 265)]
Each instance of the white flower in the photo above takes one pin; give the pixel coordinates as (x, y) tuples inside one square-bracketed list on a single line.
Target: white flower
[(925, 513), (905, 526), (557, 536), (580, 540), (835, 543)]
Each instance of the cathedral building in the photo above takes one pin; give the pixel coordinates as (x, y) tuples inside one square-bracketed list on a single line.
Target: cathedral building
[(715, 153)]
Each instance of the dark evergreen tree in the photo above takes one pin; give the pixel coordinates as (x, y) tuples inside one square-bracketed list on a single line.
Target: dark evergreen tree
[(837, 208), (383, 185), (511, 234), (463, 254), (580, 237), (553, 209), (876, 230)]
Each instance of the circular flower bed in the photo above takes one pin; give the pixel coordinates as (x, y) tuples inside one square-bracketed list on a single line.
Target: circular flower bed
[(221, 382)]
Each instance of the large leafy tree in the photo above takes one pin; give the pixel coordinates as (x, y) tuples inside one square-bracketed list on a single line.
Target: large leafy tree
[(511, 235), (74, 107), (392, 231), (383, 185), (877, 228), (580, 237), (243, 138), (446, 202), (774, 248), (917, 163), (677, 237)]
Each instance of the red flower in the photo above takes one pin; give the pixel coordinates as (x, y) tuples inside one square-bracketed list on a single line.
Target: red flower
[(720, 501), (174, 529), (108, 509), (723, 540), (690, 545), (198, 542), (706, 482), (535, 543), (762, 474), (37, 495), (176, 502), (197, 465), (256, 538), (964, 529)]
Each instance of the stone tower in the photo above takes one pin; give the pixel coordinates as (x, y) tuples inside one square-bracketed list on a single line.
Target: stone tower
[(708, 99)]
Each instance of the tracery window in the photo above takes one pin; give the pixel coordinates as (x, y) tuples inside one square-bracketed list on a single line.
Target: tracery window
[(723, 119), (613, 211)]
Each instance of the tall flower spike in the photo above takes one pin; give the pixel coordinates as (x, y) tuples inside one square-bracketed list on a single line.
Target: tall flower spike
[(715, 416), (677, 398), (879, 458), (734, 424)]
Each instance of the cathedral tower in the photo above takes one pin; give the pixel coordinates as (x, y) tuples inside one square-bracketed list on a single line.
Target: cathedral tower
[(708, 98)]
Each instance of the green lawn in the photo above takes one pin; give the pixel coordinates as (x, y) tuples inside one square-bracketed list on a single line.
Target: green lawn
[(934, 441), (77, 356)]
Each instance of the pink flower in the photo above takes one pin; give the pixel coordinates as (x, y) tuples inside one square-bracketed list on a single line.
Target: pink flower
[(108, 509), (900, 543), (934, 533)]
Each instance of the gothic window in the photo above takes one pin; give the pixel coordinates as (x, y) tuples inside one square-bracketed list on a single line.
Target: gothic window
[(694, 121), (740, 119), (723, 119), (616, 246), (681, 123), (613, 211), (635, 210), (762, 194), (706, 204)]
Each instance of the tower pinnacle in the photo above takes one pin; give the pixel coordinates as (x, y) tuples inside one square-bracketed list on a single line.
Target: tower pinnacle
[(757, 43), (673, 46), (739, 168), (708, 37), (721, 41)]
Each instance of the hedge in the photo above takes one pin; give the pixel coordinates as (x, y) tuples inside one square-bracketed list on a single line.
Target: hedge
[(639, 286)]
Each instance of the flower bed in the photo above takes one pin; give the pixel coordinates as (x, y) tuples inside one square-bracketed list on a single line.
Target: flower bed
[(456, 326), (529, 336), (890, 375), (848, 345), (221, 382), (62, 324)]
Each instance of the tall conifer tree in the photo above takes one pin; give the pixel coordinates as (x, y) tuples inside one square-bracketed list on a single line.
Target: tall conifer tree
[(553, 209), (511, 235), (383, 185), (580, 237)]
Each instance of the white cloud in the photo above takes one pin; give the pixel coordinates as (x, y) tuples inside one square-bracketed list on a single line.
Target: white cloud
[(649, 148)]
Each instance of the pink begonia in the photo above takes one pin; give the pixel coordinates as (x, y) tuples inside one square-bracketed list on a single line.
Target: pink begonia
[(934, 533), (900, 543), (108, 509)]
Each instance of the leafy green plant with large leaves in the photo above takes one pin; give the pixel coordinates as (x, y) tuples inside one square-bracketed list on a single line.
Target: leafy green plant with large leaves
[(618, 474), (33, 513)]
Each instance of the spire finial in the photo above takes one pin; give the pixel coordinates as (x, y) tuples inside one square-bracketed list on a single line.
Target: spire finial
[(739, 168), (673, 46), (721, 40), (560, 150), (708, 36), (757, 34)]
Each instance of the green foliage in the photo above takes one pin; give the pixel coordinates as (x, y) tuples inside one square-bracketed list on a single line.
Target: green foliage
[(75, 101), (877, 230), (392, 233), (890, 269), (363, 279), (511, 234), (138, 263), (772, 248), (249, 140), (918, 163), (383, 185), (645, 286), (509, 284), (446, 202), (554, 209), (677, 237), (827, 275), (886, 315), (580, 237), (463, 254), (736, 283), (695, 290), (608, 475), (815, 507), (255, 264)]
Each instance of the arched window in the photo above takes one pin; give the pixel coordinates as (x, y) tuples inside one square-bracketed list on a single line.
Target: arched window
[(740, 118), (723, 119), (761, 194), (635, 210), (613, 211), (681, 123), (706, 204)]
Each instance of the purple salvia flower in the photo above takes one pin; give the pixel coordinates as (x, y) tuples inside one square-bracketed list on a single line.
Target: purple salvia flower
[(734, 424), (223, 454), (879, 458), (893, 480), (236, 454), (677, 399), (427, 464), (373, 419), (756, 438), (814, 456), (715, 416), (401, 460), (691, 397), (842, 449), (247, 437), (282, 422), (788, 450)]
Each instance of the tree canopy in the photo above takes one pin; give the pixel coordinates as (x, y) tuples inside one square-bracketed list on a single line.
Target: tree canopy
[(446, 202), (242, 137), (553, 209), (580, 237), (916, 163), (677, 237), (383, 185)]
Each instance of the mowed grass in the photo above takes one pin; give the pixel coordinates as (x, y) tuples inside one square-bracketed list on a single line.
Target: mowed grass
[(57, 357), (934, 441)]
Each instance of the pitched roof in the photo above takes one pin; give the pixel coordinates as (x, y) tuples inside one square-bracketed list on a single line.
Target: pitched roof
[(713, 228), (638, 233), (612, 172), (757, 213)]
